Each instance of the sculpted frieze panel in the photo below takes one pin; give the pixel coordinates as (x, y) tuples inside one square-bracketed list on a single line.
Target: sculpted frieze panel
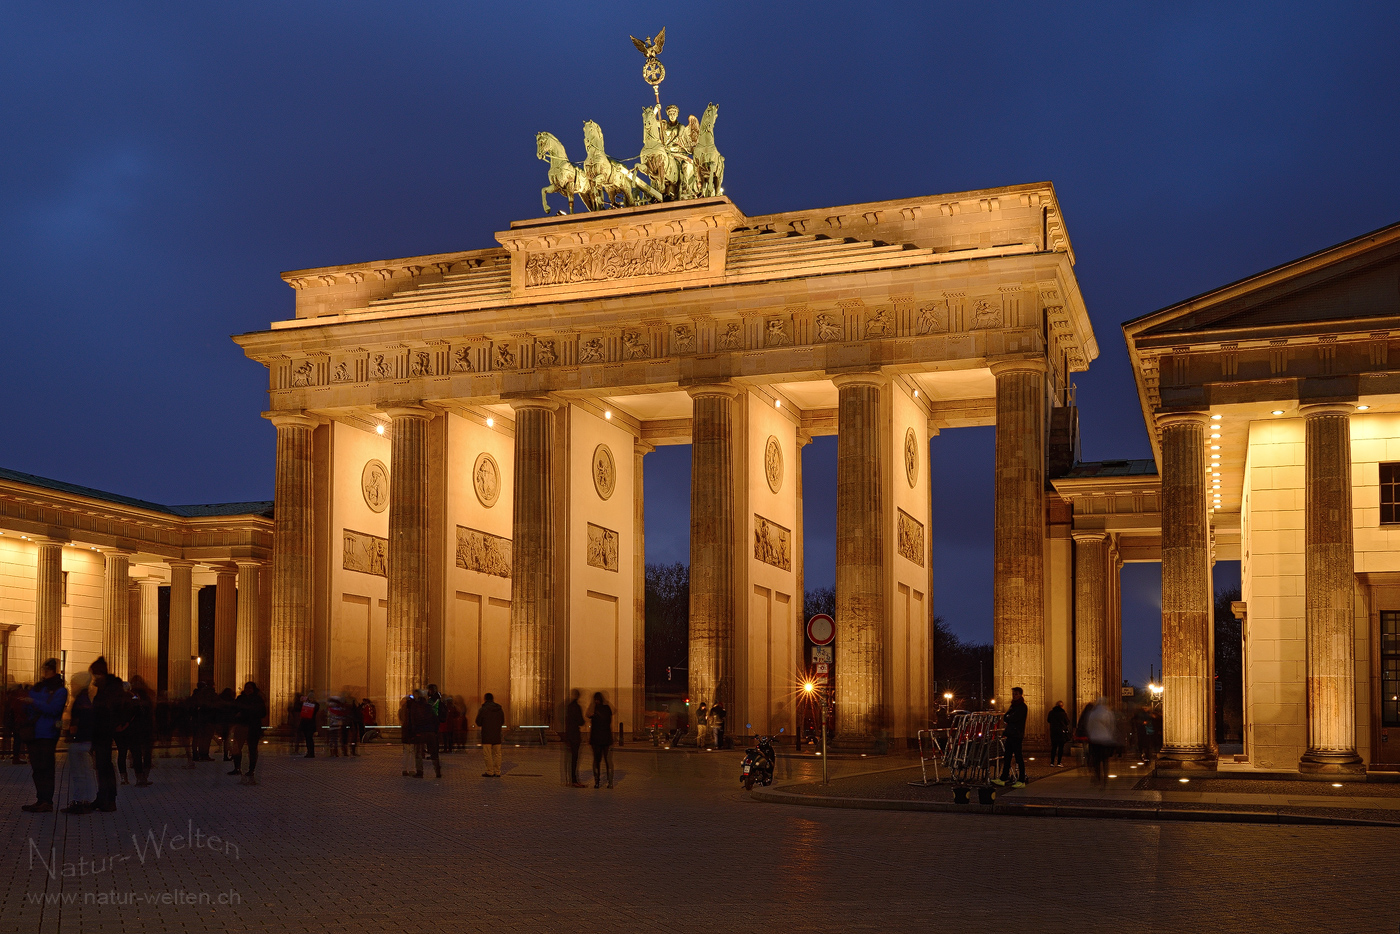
[(933, 319), (591, 350), (602, 548), (772, 544), (634, 345), (911, 538), (365, 553), (545, 353), (986, 314), (831, 328), (878, 324), (380, 367), (731, 336), (462, 360), (483, 552), (626, 259), (779, 333), (504, 358), (683, 339), (420, 364)]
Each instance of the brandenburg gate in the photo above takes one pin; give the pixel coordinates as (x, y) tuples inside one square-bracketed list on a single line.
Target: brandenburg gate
[(461, 440)]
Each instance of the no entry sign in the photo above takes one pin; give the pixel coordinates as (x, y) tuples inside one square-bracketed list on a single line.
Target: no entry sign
[(821, 629)]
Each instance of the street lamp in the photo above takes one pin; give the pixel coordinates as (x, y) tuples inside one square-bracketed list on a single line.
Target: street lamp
[(810, 688), (948, 701)]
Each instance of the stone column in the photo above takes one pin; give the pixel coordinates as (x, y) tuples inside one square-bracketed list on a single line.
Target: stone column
[(532, 657), (712, 545), (48, 602), (178, 645), (406, 659), (291, 642), (639, 586), (860, 560), (146, 647), (247, 660), (1115, 627), (1090, 617), (1329, 587), (799, 569), (1018, 546), (1187, 653), (133, 628), (116, 607), (225, 627)]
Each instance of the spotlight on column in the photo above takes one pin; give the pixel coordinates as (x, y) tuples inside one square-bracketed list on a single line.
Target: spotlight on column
[(1362, 408), (1216, 418)]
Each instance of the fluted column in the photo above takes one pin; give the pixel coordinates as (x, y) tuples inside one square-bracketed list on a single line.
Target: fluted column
[(799, 565), (406, 660), (133, 628), (1091, 639), (116, 609), (178, 644), (1018, 545), (291, 642), (1115, 627), (247, 660), (1187, 651), (1329, 585), (639, 586), (532, 563), (860, 559), (48, 602), (712, 545), (145, 642), (225, 626)]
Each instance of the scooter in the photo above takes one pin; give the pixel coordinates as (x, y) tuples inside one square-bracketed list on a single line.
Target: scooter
[(758, 764)]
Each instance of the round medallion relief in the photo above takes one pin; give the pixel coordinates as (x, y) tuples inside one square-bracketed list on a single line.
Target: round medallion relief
[(911, 456), (486, 479), (773, 463), (604, 471), (374, 484)]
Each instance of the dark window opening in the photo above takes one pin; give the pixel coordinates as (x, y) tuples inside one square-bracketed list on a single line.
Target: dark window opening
[(1390, 669), (1390, 493)]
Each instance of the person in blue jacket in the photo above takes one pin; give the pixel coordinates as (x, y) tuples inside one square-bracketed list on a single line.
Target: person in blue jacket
[(46, 703)]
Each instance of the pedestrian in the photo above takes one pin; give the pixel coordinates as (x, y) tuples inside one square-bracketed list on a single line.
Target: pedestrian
[(491, 718), (1103, 736), (44, 713), (369, 716), (411, 763), (294, 721), (310, 709), (357, 725), (223, 718), (336, 726), (205, 703), (425, 732), (447, 728), (1013, 735), (1058, 718), (141, 729), (107, 722), (16, 706), (82, 779), (718, 716), (600, 737), (1154, 739), (122, 741), (573, 736), (249, 710), (702, 726)]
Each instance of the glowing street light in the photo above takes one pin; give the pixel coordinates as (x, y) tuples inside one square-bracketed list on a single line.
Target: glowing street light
[(810, 689)]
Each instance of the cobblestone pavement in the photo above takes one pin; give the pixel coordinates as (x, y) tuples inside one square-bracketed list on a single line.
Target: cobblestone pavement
[(350, 845)]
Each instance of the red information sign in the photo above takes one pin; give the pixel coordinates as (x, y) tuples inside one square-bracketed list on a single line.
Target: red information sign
[(821, 629)]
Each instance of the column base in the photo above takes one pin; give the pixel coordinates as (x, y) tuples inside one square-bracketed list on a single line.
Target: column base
[(1187, 760), (856, 742), (1331, 763)]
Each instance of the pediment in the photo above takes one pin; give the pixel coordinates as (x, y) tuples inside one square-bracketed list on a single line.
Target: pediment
[(1352, 286)]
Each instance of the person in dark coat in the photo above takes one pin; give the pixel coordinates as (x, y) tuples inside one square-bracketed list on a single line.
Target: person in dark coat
[(1058, 718), (82, 780), (205, 707), (425, 732), (141, 729), (224, 716), (1013, 736), (573, 736), (306, 722), (43, 718), (411, 763), (491, 718), (107, 721), (249, 710), (718, 718), (600, 737)]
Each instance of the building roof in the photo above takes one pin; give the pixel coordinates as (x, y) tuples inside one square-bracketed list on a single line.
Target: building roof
[(257, 508), (1146, 467)]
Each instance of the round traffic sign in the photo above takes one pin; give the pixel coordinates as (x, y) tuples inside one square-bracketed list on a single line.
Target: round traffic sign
[(821, 629)]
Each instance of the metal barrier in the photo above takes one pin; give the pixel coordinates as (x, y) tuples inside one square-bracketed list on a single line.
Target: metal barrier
[(937, 742), (974, 746)]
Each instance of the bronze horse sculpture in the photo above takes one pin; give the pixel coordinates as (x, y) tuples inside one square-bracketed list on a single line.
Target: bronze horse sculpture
[(709, 164)]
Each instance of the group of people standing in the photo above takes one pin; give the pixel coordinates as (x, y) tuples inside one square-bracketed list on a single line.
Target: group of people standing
[(107, 717), (599, 718)]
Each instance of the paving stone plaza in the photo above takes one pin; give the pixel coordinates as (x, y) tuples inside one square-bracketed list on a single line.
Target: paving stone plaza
[(676, 846)]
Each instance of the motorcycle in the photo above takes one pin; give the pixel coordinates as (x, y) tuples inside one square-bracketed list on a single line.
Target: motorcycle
[(758, 764)]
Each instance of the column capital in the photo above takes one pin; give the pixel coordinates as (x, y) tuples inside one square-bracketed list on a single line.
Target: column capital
[(642, 447), (1168, 419), (249, 562), (180, 563), (408, 410), (712, 389), (1315, 409), (1089, 537), (292, 419), (547, 403), (875, 379), (1027, 365)]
